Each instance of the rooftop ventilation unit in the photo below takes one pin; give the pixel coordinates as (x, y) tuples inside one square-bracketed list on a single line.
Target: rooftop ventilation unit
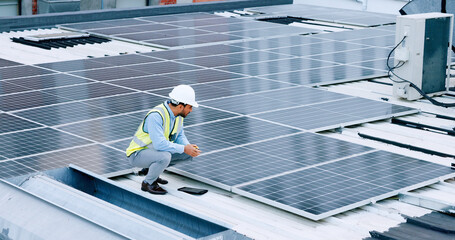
[(422, 55)]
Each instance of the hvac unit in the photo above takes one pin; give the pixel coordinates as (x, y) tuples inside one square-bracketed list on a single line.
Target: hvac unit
[(422, 55)]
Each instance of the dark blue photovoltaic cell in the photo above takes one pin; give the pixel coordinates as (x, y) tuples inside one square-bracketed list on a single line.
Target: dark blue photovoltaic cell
[(101, 159), (149, 82), (9, 123), (37, 141)]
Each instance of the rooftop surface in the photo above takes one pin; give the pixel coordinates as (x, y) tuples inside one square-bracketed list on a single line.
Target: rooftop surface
[(81, 105)]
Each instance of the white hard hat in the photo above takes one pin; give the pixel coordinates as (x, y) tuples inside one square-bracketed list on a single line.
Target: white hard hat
[(184, 94)]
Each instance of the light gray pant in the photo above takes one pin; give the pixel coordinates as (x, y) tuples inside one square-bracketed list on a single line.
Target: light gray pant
[(156, 161)]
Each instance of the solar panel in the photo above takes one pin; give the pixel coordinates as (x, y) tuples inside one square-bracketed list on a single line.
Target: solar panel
[(353, 56), (29, 100), (73, 65), (328, 189), (8, 63), (63, 113), (331, 74), (9, 123), (333, 114), (273, 100), (86, 91), (91, 129), (48, 81), (7, 88), (236, 131), (21, 71), (10, 169), (99, 158), (127, 59), (203, 75), (241, 165), (275, 66), (38, 141), (228, 88), (381, 41)]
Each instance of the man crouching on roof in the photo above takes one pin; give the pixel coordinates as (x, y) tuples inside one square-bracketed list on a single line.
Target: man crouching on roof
[(160, 140)]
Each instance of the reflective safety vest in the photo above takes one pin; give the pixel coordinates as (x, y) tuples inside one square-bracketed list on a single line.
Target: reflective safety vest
[(141, 138)]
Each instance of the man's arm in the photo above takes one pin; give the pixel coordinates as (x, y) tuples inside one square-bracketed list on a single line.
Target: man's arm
[(181, 138), (154, 126)]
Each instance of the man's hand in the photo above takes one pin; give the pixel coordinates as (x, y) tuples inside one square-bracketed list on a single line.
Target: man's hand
[(192, 150)]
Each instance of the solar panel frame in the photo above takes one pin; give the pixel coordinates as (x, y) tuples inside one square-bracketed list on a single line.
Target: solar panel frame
[(357, 202)]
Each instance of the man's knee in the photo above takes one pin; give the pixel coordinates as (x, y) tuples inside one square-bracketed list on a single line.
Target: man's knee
[(165, 158)]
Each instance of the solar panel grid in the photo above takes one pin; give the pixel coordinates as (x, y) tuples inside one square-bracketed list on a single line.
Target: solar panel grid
[(9, 123), (329, 75), (10, 169), (8, 63), (63, 113), (48, 81), (203, 75), (328, 189), (102, 130), (86, 91), (8, 88), (327, 115), (101, 159), (106, 74), (38, 141), (228, 88), (21, 71)]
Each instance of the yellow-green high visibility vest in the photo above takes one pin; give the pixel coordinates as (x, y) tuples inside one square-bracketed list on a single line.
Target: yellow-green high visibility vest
[(141, 138)]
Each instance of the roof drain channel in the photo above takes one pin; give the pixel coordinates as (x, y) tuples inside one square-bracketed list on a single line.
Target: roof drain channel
[(113, 206)]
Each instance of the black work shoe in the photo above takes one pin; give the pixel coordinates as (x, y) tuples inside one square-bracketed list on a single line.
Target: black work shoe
[(161, 181), (143, 172), (153, 188)]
